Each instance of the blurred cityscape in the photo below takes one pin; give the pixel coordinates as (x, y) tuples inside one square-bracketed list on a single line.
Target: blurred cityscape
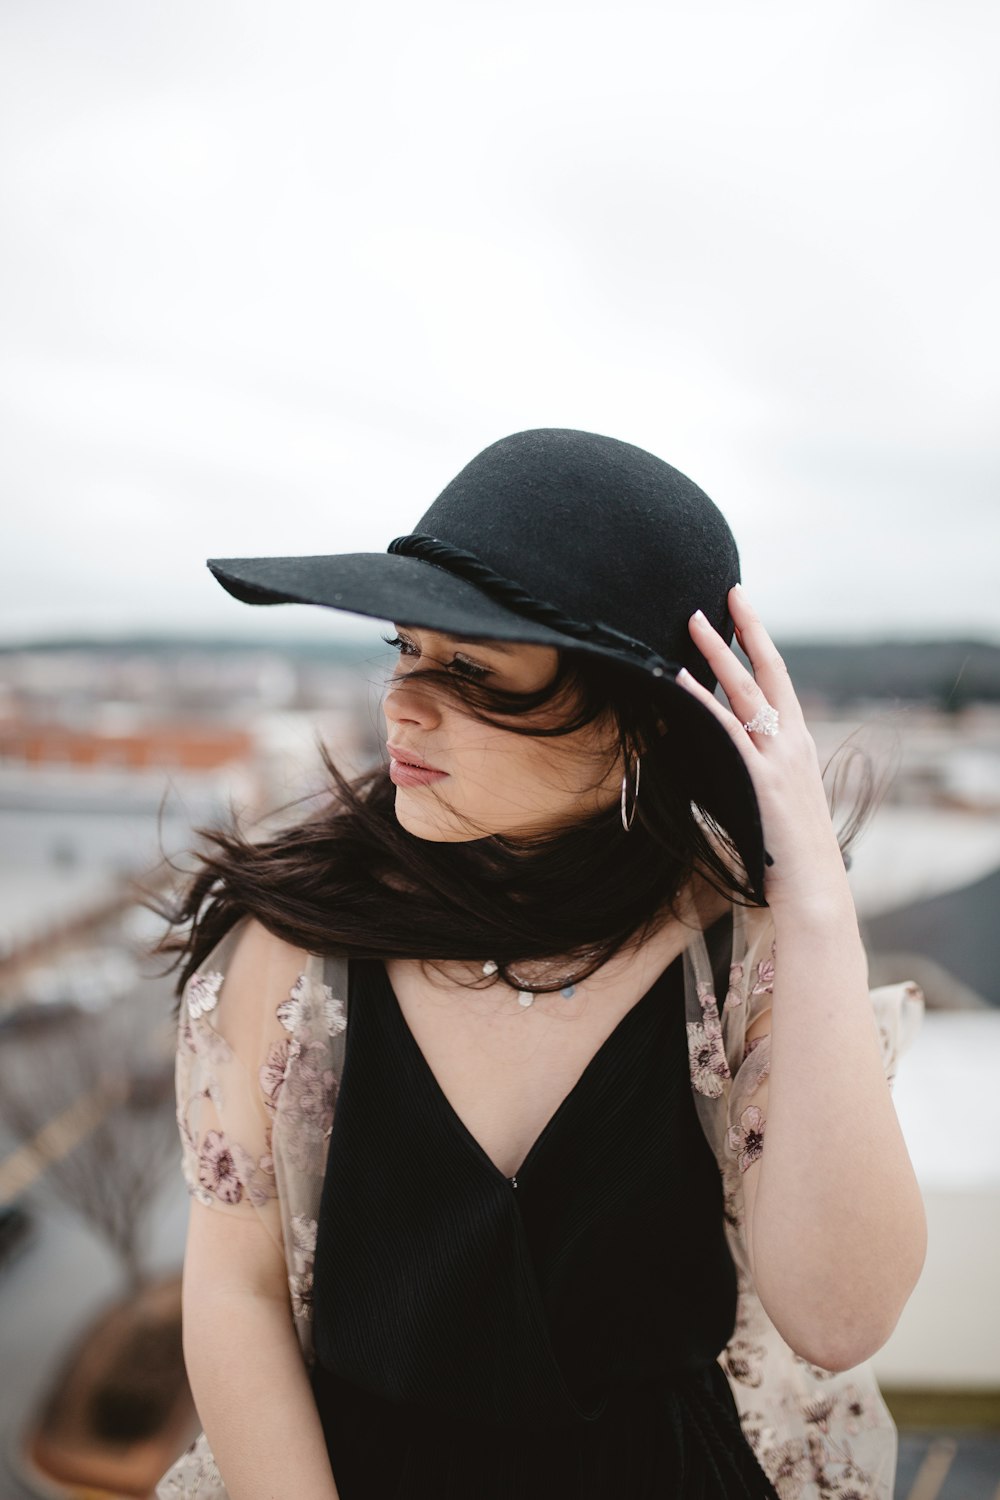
[(113, 755)]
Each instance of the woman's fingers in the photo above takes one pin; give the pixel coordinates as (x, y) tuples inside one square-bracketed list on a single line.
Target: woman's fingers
[(768, 666), (748, 691), (743, 692)]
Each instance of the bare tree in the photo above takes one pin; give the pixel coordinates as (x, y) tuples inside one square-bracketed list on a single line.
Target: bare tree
[(90, 1099)]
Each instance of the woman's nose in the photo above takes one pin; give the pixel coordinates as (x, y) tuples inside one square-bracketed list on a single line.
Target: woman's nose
[(405, 704)]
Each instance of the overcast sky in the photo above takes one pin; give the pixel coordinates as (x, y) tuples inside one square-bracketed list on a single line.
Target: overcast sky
[(272, 273)]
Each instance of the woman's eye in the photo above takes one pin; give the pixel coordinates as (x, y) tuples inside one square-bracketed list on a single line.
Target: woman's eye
[(405, 648), (460, 665), (466, 668)]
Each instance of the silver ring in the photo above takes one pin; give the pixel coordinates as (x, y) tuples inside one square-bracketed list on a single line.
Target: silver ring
[(764, 721)]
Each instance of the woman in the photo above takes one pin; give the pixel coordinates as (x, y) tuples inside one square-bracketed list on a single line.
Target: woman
[(493, 1196)]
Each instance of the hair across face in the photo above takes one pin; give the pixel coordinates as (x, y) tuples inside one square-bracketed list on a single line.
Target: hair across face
[(529, 769)]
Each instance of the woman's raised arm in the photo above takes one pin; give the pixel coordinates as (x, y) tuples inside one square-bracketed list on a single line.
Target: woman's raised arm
[(835, 1226)]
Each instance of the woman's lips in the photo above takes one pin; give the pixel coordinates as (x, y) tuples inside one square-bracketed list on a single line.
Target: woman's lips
[(403, 772)]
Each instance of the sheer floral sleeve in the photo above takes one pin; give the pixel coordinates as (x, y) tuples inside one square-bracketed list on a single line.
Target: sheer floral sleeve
[(818, 1434), (260, 1044)]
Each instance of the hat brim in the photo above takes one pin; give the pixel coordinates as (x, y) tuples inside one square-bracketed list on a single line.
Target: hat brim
[(412, 591), (383, 586)]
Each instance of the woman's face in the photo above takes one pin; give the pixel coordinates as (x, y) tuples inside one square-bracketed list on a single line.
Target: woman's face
[(458, 779)]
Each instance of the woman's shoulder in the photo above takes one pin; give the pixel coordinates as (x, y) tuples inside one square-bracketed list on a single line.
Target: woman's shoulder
[(255, 954), (251, 954), (248, 976)]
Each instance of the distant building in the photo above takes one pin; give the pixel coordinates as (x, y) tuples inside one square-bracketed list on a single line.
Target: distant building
[(165, 746)]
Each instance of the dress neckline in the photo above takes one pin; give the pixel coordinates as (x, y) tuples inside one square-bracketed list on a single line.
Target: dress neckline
[(451, 1113)]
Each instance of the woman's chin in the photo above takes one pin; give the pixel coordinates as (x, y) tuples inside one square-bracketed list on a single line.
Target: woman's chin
[(434, 825)]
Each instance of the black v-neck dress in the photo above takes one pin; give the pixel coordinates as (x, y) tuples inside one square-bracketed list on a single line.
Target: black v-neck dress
[(552, 1336)]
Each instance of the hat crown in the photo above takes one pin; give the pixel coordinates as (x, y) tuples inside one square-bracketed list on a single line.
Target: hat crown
[(599, 528)]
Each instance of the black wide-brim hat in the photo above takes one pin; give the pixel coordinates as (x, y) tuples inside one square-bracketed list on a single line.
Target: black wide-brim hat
[(554, 537)]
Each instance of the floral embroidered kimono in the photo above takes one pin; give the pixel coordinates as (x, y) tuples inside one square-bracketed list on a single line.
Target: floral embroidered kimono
[(255, 1100)]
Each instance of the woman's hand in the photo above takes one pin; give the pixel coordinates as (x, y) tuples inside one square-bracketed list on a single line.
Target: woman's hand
[(807, 869)]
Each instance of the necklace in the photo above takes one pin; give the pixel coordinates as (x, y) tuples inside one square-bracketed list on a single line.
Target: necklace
[(527, 997)]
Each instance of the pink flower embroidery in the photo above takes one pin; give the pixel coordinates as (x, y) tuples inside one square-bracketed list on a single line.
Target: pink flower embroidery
[(202, 993), (733, 996), (273, 1070), (858, 1411), (257, 1176), (819, 1410), (313, 1086), (308, 999), (307, 1098), (217, 1169), (757, 1431), (747, 1138), (764, 984), (300, 1279), (185, 1034), (789, 1467), (707, 1058), (334, 1014), (745, 1362)]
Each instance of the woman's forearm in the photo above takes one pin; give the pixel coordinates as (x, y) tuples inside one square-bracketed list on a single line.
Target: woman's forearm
[(253, 1396), (839, 1232)]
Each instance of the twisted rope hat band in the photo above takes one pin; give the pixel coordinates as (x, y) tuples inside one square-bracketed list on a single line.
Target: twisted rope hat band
[(506, 591)]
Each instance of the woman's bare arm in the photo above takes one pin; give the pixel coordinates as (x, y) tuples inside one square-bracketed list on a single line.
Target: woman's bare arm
[(247, 1373), (836, 1232)]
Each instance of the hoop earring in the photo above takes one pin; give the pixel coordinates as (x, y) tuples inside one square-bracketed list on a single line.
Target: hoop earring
[(630, 819)]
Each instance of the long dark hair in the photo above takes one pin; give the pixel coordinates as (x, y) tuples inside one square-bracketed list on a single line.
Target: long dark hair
[(348, 880)]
